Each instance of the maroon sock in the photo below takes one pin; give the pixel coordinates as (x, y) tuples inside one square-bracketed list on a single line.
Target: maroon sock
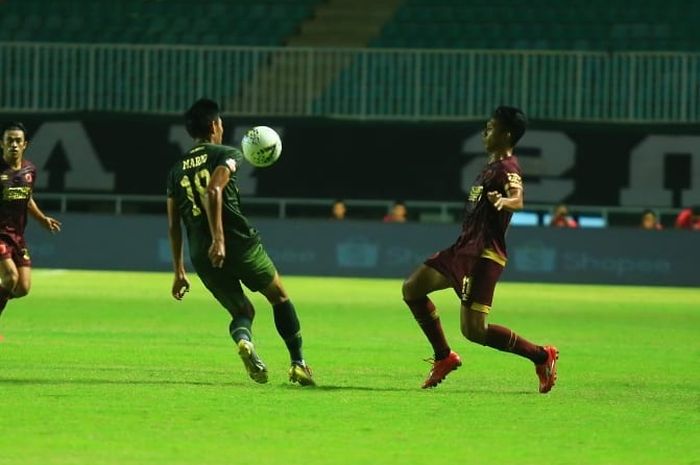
[(427, 317), (504, 339)]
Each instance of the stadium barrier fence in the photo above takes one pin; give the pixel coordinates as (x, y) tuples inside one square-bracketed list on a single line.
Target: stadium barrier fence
[(388, 250), (367, 83)]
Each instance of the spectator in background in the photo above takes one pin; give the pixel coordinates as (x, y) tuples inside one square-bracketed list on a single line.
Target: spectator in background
[(562, 219), (338, 210), (397, 214), (650, 221), (689, 218)]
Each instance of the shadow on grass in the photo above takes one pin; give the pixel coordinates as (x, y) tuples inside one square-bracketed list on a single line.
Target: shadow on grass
[(469, 390), (462, 390), (332, 388), (96, 382)]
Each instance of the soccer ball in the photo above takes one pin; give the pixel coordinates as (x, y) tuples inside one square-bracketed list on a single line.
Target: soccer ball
[(261, 146)]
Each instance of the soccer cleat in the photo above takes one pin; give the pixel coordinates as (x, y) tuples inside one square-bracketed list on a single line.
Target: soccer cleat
[(441, 368), (547, 371), (253, 364), (301, 373)]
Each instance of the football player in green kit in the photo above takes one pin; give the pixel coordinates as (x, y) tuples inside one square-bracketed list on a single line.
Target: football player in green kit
[(225, 250)]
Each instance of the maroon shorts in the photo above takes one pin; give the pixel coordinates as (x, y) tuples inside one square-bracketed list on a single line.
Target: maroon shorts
[(14, 247), (473, 278)]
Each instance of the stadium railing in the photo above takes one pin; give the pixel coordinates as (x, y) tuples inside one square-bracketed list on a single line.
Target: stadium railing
[(387, 84), (588, 216)]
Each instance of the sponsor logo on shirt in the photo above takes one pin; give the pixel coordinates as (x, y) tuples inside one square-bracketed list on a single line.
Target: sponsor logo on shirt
[(17, 193)]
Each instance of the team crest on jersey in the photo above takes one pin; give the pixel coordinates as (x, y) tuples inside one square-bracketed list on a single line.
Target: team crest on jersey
[(514, 180), (231, 163), (28, 177), (475, 193)]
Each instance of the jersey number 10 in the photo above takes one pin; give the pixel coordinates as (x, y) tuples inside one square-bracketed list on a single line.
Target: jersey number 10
[(200, 180)]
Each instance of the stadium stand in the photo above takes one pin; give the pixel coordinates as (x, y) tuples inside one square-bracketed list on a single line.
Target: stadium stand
[(449, 24), (211, 22), (544, 24)]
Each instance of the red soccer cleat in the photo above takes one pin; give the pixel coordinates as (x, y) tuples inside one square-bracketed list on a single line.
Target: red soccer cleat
[(547, 371), (441, 368)]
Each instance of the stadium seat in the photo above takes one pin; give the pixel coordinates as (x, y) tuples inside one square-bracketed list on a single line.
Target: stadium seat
[(589, 25), (147, 21)]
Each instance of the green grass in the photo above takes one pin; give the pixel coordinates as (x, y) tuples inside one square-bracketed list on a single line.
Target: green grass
[(105, 368)]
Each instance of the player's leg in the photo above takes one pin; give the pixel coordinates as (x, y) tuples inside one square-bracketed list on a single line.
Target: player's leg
[(226, 288), (475, 309), (260, 275), (24, 283), (415, 290), (9, 277), (242, 316), (289, 329)]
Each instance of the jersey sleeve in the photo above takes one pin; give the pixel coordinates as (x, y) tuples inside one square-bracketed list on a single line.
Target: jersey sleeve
[(511, 177), (229, 157)]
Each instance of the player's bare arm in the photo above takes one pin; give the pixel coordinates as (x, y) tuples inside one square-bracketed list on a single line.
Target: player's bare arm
[(181, 284), (49, 223), (214, 202), (513, 202)]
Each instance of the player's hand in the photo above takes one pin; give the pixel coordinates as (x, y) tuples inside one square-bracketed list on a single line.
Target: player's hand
[(52, 224), (496, 199), (181, 286), (217, 253)]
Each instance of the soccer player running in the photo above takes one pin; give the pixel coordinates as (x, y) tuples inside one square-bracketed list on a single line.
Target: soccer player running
[(17, 177), (224, 248), (473, 264)]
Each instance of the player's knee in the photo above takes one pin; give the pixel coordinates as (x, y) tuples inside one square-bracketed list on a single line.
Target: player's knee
[(10, 280), (275, 295), (20, 291), (408, 290), (474, 330)]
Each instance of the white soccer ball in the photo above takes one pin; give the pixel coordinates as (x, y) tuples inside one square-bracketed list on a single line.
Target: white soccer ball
[(261, 146)]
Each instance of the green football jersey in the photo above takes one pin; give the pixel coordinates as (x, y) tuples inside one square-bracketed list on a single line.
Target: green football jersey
[(187, 184)]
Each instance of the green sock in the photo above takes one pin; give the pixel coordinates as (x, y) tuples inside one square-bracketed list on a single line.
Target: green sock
[(287, 325), (240, 328)]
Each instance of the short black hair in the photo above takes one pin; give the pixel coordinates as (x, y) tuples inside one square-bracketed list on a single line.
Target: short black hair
[(513, 120), (14, 126), (199, 116)]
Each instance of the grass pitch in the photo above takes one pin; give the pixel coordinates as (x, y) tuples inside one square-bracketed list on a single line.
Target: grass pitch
[(106, 368)]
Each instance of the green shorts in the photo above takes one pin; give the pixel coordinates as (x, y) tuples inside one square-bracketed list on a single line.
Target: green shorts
[(251, 267)]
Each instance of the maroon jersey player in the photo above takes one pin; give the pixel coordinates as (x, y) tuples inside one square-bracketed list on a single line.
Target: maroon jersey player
[(17, 177), (473, 264)]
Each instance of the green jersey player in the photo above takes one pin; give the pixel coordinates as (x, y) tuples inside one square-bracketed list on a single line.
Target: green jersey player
[(225, 250)]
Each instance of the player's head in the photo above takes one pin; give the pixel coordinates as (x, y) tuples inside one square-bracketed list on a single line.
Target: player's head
[(14, 141), (561, 211), (505, 128), (649, 220), (203, 121), (338, 210), (399, 211)]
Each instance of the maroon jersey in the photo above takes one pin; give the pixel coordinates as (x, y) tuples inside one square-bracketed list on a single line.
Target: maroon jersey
[(484, 228), (17, 189)]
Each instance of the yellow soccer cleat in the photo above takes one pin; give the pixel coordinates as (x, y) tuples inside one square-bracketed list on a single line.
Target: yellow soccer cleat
[(301, 374), (253, 364)]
